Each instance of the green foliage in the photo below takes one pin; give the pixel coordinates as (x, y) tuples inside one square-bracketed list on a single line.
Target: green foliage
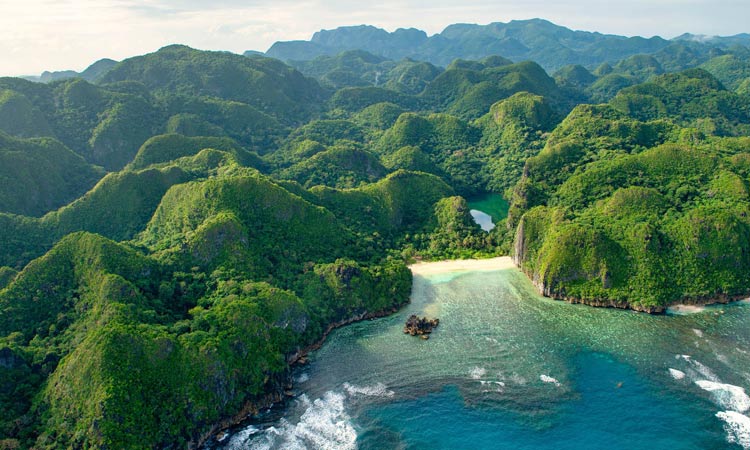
[(270, 85), (38, 175), (168, 147), (341, 166), (469, 92), (354, 99), (645, 229), (200, 116), (694, 97), (19, 117), (380, 115), (456, 234), (7, 275), (608, 86), (413, 159), (400, 203), (730, 69), (575, 76), (121, 131)]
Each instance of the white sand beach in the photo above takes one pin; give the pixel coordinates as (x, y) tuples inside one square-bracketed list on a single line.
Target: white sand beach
[(432, 268)]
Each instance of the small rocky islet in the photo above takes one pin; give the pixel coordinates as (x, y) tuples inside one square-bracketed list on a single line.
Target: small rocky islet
[(420, 326)]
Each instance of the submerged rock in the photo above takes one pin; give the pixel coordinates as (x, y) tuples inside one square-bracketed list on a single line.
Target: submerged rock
[(422, 327)]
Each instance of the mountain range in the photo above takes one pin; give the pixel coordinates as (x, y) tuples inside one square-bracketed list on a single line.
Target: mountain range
[(550, 45)]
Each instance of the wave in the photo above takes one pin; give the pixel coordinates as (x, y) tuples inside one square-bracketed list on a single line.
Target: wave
[(324, 425), (737, 427), (728, 396), (700, 368), (376, 390), (477, 372), (677, 374), (549, 379)]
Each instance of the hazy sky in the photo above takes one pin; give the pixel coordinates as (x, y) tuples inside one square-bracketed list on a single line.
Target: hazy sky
[(37, 35)]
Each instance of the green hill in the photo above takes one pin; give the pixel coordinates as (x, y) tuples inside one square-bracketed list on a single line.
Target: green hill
[(625, 207), (269, 85), (39, 175)]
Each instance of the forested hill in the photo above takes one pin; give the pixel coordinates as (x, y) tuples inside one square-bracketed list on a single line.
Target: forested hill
[(176, 228), (550, 45)]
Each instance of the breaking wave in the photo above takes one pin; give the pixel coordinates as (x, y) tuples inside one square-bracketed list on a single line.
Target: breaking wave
[(324, 425), (737, 427), (727, 396), (376, 390)]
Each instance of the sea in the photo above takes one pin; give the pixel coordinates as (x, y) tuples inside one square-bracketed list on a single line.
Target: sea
[(510, 369)]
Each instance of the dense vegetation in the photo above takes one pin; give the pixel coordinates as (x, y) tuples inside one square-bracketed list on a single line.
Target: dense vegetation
[(643, 201), (175, 226)]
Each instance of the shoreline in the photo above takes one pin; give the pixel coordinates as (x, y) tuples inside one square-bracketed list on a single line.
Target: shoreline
[(279, 393), (283, 383), (426, 268)]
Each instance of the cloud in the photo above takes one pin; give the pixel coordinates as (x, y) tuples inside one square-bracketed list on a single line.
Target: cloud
[(38, 35)]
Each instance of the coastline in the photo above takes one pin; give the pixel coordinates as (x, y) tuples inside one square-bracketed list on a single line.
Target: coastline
[(280, 386), (685, 305), (282, 383)]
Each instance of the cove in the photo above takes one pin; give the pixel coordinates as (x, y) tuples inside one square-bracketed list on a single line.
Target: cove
[(509, 369)]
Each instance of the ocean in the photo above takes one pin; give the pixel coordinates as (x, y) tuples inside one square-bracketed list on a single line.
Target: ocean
[(509, 369)]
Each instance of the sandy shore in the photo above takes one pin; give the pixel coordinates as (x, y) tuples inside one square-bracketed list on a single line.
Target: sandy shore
[(460, 265)]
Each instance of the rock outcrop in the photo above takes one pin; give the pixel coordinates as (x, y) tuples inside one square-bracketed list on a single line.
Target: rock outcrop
[(421, 327)]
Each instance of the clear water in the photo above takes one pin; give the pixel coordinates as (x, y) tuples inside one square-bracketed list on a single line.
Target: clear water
[(493, 204), (508, 369)]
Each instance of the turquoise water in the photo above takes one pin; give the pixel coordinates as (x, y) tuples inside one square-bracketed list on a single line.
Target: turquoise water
[(508, 369), (493, 204)]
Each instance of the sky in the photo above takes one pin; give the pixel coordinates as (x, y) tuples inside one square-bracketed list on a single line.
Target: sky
[(38, 35)]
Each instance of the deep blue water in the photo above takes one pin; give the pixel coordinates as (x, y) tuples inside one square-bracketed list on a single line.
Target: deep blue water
[(508, 369), (602, 415)]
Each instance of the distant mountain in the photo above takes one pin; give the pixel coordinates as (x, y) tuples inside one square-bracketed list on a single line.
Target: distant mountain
[(269, 86), (738, 39), (91, 73), (550, 45)]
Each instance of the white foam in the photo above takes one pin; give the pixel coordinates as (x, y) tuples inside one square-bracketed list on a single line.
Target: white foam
[(698, 332), (324, 425), (702, 370), (737, 427), (477, 372), (498, 383), (376, 390), (728, 396), (549, 379), (677, 374), (302, 378)]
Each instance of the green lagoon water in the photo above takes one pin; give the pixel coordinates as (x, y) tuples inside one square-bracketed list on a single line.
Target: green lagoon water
[(508, 369)]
